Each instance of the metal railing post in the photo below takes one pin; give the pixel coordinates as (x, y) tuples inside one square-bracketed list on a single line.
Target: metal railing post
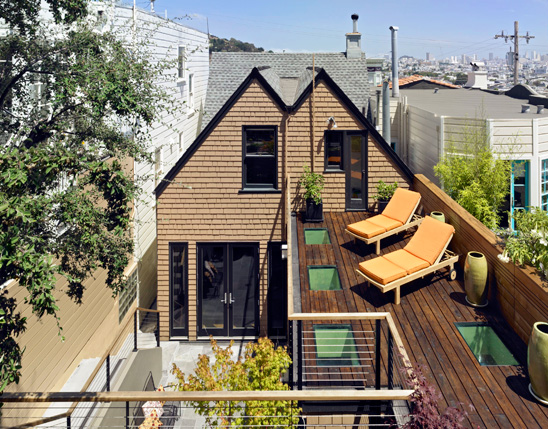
[(291, 353), (127, 414), (390, 360), (158, 329), (135, 331), (378, 354), (108, 373), (300, 354), (68, 422)]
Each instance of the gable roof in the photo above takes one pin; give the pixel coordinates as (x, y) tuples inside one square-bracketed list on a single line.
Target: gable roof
[(227, 70), (256, 74), (410, 81)]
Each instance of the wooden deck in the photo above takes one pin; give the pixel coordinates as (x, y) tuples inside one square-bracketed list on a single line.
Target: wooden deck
[(425, 320)]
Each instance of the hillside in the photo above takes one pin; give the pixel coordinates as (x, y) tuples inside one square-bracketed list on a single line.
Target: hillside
[(217, 44)]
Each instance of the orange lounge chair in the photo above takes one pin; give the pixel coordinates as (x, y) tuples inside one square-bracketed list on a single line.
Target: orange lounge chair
[(425, 253), (399, 215)]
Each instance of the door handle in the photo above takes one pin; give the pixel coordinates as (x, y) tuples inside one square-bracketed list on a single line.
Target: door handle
[(224, 300), (231, 301)]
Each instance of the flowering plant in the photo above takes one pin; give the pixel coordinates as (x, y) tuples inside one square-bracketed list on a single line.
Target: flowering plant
[(528, 243)]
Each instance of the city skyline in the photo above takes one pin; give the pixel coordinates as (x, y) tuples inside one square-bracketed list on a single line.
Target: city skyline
[(317, 26)]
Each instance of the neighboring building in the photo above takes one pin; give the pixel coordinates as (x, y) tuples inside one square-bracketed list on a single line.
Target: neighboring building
[(418, 81), (172, 135), (424, 122), (88, 328), (221, 270)]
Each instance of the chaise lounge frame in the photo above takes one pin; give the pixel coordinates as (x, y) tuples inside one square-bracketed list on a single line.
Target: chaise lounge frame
[(414, 220), (446, 259)]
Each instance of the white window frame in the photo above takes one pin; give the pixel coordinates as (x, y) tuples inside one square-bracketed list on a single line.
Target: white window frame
[(158, 163), (190, 94), (181, 145), (181, 63)]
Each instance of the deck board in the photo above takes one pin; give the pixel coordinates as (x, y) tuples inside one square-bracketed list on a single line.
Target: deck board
[(425, 319)]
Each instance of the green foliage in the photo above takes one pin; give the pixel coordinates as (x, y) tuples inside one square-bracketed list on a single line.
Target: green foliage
[(313, 184), (474, 176), (261, 369), (461, 78), (217, 44), (528, 244), (71, 101), (385, 191)]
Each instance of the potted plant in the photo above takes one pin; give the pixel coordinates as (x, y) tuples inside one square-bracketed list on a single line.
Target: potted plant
[(313, 186), (384, 193)]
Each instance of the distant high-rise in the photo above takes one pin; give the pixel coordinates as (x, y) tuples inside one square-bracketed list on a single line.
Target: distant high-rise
[(428, 56), (491, 56)]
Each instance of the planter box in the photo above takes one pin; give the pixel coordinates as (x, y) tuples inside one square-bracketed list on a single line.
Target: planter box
[(314, 212)]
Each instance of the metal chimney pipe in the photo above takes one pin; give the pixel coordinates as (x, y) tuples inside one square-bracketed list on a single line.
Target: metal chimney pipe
[(386, 112), (395, 71), (355, 17)]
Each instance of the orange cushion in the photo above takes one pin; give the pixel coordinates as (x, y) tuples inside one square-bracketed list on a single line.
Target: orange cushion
[(430, 239), (366, 229), (410, 263), (384, 221), (402, 205), (382, 270)]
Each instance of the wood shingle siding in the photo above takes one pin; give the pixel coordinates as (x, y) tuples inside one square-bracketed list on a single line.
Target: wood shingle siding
[(201, 200)]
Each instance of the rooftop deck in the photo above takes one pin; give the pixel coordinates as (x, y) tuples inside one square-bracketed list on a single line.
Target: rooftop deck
[(425, 319)]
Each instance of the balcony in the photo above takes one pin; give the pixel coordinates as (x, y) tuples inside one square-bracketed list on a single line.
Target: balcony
[(350, 343)]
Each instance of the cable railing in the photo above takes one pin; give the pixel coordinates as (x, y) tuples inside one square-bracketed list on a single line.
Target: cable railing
[(238, 408), (99, 380), (348, 351)]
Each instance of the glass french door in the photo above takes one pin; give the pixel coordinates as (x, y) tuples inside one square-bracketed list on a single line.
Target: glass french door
[(228, 289), (519, 192), (178, 289), (355, 150)]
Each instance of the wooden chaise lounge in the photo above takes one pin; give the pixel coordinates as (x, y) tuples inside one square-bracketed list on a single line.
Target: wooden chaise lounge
[(398, 216), (425, 253)]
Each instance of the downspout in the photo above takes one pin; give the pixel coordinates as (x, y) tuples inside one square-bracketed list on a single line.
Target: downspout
[(313, 134), (395, 65), (385, 112), (285, 227)]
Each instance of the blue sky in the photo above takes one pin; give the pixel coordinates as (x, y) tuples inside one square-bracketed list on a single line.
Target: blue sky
[(441, 27)]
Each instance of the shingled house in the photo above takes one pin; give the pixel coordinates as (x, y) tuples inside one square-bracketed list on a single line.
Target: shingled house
[(220, 210)]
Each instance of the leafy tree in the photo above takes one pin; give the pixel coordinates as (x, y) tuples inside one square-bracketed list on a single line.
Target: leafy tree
[(261, 369), (474, 175), (71, 101)]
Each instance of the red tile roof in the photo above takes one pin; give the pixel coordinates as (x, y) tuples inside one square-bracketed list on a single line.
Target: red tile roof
[(417, 77)]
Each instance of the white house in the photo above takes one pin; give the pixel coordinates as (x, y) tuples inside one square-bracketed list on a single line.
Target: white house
[(89, 328), (188, 48), (424, 121)]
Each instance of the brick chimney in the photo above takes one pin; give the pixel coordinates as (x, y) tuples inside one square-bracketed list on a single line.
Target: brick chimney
[(354, 40)]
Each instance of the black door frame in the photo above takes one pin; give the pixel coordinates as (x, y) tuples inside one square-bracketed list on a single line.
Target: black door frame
[(350, 204), (274, 312), (228, 287)]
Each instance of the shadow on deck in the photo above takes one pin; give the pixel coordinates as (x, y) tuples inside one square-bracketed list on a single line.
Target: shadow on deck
[(426, 319)]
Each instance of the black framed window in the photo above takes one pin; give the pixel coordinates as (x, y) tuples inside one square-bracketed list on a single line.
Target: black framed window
[(260, 158), (178, 289), (333, 151)]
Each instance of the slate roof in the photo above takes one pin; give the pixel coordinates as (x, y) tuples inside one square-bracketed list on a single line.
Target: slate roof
[(288, 74)]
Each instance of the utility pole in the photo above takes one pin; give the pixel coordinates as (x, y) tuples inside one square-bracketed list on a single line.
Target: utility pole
[(515, 37)]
